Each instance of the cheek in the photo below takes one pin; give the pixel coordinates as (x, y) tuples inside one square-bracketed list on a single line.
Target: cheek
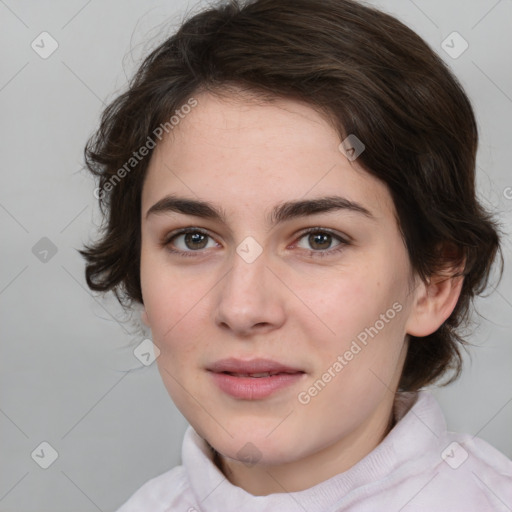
[(168, 295), (364, 312), (347, 300)]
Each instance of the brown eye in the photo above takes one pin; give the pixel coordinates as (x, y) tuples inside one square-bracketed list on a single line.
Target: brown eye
[(188, 241), (195, 240), (319, 242)]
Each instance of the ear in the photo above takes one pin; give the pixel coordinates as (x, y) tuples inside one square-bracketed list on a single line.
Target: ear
[(434, 303)]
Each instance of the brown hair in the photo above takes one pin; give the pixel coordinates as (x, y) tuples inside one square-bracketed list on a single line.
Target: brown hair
[(373, 77)]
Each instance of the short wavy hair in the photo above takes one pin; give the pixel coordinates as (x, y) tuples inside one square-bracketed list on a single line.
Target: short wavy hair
[(373, 77)]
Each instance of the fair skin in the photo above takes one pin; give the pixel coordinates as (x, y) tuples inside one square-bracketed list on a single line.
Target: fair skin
[(289, 304)]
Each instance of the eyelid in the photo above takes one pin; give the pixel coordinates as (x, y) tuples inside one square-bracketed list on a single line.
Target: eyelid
[(344, 242), (341, 236), (183, 231), (168, 237)]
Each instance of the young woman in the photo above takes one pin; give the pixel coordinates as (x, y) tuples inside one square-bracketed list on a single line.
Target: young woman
[(289, 193)]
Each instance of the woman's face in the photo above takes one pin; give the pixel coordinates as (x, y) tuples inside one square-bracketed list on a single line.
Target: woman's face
[(328, 310)]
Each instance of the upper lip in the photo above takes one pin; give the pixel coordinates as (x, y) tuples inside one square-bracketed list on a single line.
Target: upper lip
[(233, 365)]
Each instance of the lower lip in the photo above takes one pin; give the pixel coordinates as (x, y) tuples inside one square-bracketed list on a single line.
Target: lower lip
[(254, 388)]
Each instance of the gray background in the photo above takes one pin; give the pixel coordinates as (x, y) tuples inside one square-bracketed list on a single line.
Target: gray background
[(68, 373)]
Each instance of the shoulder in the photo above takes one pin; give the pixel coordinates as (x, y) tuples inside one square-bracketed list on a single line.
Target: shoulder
[(483, 455), (158, 494), (443, 470), (478, 458), (472, 475)]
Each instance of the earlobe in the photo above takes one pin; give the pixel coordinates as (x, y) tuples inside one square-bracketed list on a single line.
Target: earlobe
[(434, 303)]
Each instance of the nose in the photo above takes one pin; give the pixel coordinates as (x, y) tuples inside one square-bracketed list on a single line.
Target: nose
[(250, 298)]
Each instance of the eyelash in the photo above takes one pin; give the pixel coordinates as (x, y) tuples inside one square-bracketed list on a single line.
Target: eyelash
[(315, 254)]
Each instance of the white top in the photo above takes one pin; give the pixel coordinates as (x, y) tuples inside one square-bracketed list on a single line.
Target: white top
[(418, 467)]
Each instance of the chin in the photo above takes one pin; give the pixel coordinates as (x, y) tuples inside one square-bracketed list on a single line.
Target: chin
[(253, 445)]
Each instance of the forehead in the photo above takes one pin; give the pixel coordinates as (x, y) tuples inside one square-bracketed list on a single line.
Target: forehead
[(238, 152)]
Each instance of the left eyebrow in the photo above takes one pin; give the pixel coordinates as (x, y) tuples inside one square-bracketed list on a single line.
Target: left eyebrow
[(281, 213)]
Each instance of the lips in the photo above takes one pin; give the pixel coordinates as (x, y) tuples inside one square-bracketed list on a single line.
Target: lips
[(254, 368), (256, 379), (254, 375)]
